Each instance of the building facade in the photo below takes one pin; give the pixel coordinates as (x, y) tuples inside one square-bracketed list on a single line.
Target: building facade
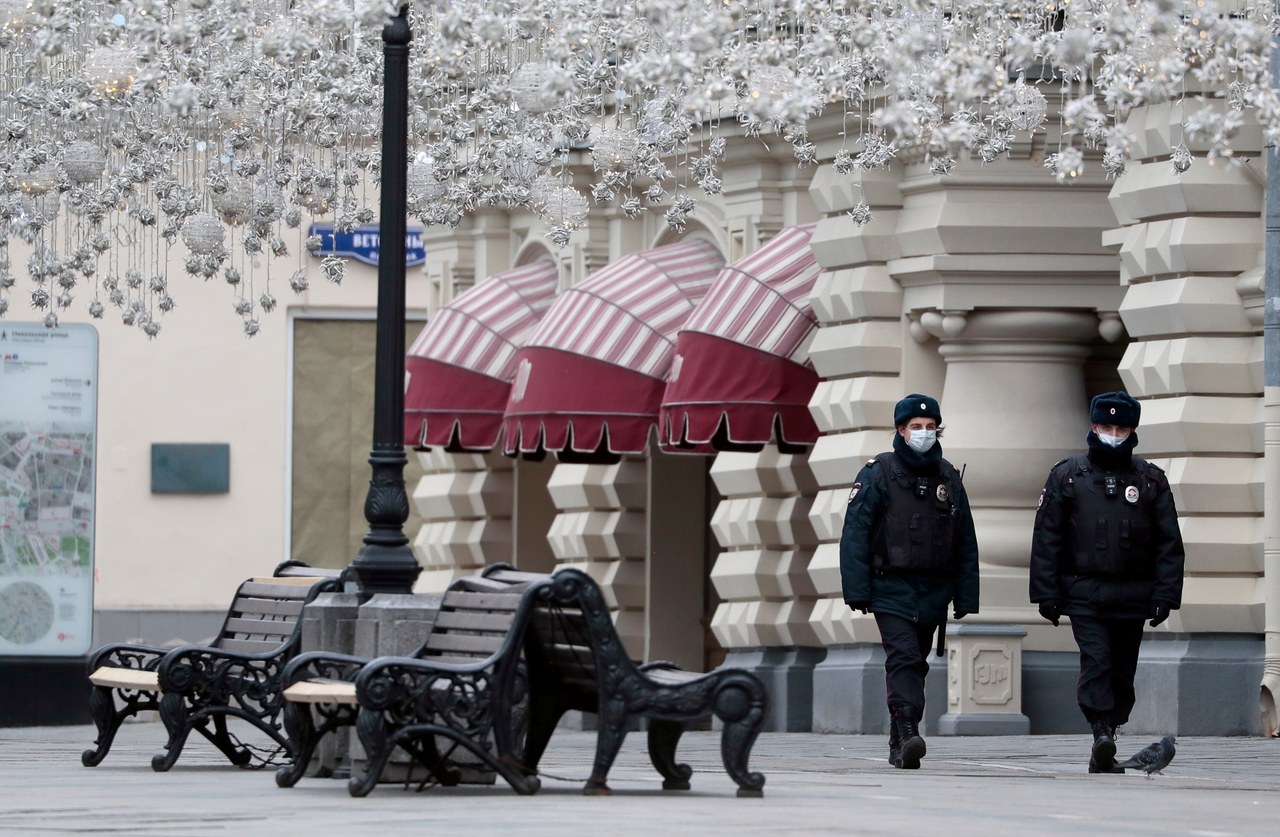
[(1010, 296)]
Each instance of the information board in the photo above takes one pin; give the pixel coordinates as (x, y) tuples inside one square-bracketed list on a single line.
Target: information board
[(48, 464)]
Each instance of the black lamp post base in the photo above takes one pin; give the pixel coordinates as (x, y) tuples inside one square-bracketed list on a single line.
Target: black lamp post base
[(384, 569)]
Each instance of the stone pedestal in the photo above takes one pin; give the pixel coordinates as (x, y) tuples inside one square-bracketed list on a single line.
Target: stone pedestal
[(397, 625), (787, 674), (329, 624), (849, 691), (984, 681)]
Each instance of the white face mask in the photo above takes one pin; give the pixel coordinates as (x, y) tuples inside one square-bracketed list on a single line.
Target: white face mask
[(1111, 441), (921, 440)]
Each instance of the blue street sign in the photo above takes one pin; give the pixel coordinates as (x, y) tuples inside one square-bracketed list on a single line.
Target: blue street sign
[(362, 244)]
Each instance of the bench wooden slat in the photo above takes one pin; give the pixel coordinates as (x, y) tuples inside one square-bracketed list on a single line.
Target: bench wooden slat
[(467, 600), (465, 643), (261, 627), (267, 607), (125, 678), (280, 588), (671, 677), (322, 690), (453, 659), (248, 646), (468, 620)]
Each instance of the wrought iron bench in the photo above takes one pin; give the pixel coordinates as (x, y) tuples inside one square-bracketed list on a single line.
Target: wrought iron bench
[(576, 660), (463, 685), (509, 654), (194, 686)]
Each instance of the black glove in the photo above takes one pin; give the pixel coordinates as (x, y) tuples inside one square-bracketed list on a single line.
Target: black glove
[(862, 606), (1159, 613), (1051, 611), (960, 614)]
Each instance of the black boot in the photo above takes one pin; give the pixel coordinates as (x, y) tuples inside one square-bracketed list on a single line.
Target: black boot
[(1102, 758), (907, 720), (895, 743)]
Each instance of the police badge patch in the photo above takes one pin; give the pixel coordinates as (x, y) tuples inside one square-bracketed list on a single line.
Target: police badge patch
[(853, 493), (1131, 494), (942, 492)]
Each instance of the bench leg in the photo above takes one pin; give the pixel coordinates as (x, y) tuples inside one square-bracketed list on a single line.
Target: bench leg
[(664, 736), (372, 729), (301, 734), (609, 738), (173, 711), (102, 708), (220, 739), (542, 719), (741, 707)]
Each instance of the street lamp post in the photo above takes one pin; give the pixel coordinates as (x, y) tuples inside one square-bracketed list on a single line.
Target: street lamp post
[(385, 564)]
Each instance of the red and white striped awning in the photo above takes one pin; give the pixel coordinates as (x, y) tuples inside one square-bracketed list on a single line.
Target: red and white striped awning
[(741, 376), (459, 369), (589, 380)]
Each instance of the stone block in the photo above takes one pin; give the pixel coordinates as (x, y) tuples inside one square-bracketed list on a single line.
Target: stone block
[(1203, 365), (1181, 682), (1201, 423), (849, 694), (861, 348), (836, 458), (788, 677), (1222, 544), (855, 403), (1216, 485), (984, 680), (1152, 189), (856, 293), (1184, 305)]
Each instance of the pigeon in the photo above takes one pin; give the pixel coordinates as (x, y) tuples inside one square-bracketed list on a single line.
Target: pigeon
[(1153, 758)]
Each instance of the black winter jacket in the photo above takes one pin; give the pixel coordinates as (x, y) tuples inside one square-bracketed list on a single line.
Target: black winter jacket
[(1109, 556), (920, 597)]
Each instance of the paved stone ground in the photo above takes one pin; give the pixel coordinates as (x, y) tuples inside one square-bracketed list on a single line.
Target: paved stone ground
[(817, 784)]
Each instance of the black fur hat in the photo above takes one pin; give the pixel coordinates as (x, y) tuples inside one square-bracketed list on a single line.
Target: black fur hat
[(1118, 408), (916, 405)]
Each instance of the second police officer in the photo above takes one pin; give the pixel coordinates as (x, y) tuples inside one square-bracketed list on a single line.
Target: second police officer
[(1107, 552), (907, 551)]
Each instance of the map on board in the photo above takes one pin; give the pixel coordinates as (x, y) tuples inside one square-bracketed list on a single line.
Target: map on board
[(48, 403)]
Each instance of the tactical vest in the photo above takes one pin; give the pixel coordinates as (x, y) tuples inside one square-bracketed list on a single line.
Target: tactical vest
[(918, 531), (1111, 518)]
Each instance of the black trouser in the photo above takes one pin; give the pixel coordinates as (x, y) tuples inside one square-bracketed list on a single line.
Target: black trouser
[(906, 659), (1108, 662)]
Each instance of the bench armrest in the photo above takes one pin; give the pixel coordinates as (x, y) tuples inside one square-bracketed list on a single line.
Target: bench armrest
[(323, 664), (126, 655), (194, 669), (400, 681)]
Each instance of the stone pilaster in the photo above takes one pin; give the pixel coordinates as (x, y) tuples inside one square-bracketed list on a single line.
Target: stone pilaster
[(1196, 358), (600, 528), (858, 352), (766, 541), (466, 504)]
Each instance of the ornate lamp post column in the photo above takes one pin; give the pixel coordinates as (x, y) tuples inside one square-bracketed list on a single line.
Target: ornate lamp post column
[(385, 564)]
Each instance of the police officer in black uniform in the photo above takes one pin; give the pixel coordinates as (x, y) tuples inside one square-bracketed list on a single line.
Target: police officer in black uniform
[(908, 550), (1107, 552)]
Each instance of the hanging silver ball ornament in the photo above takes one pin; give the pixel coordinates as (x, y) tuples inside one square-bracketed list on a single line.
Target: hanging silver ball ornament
[(203, 233), (235, 205), (38, 181), (1181, 158), (84, 162), (111, 70)]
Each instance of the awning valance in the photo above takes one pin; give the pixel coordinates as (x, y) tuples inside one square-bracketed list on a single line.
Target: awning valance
[(458, 371), (741, 377), (589, 380)]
